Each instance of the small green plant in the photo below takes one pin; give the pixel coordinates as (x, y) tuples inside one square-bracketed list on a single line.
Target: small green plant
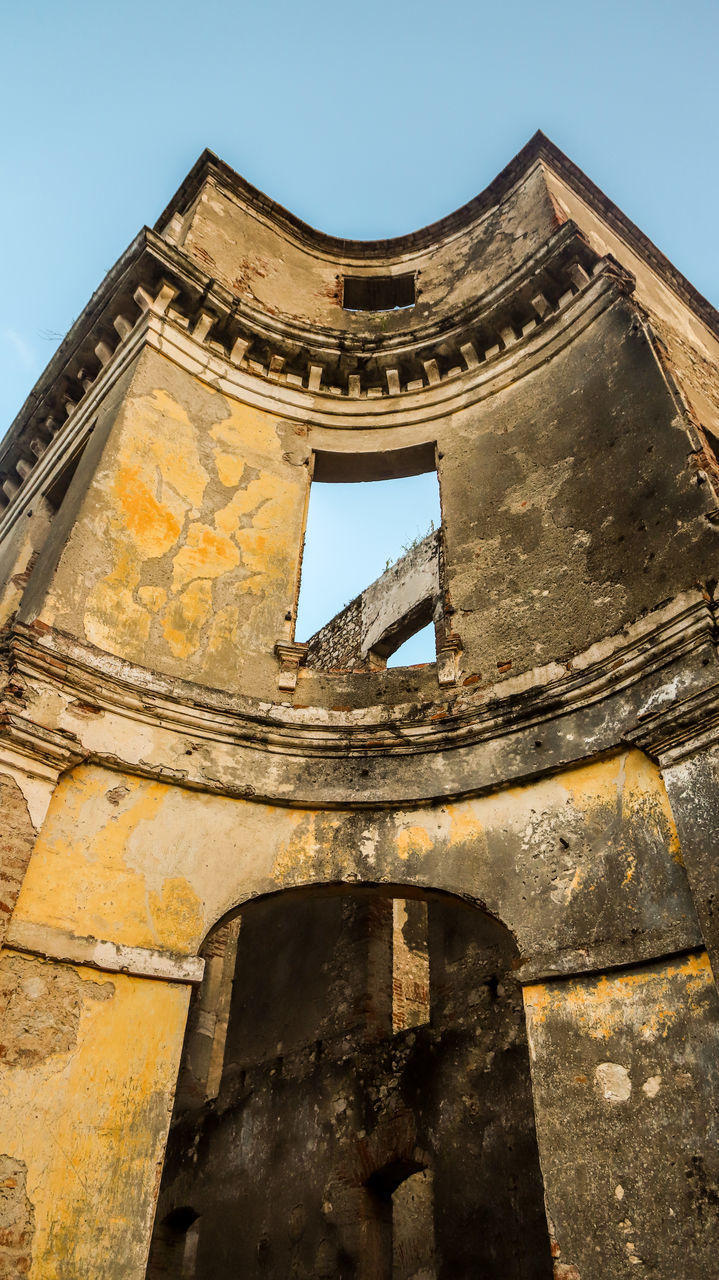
[(409, 546)]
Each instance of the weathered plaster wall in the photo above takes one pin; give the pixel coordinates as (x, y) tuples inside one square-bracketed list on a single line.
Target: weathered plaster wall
[(185, 555), (631, 1057), (17, 1219), (692, 348), (533, 513), (87, 1072), (272, 268), (583, 866), (692, 784), (19, 554), (584, 862), (186, 548), (17, 837), (570, 504)]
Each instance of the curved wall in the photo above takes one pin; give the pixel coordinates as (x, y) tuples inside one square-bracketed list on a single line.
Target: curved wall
[(169, 753)]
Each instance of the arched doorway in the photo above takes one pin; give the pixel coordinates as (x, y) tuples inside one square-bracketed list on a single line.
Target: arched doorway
[(355, 1098)]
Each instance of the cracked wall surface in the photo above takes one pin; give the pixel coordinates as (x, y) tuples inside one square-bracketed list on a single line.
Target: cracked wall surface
[(17, 1219), (625, 1056), (69, 1035), (173, 758), (584, 859)]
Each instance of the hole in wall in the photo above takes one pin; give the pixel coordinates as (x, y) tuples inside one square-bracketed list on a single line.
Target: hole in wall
[(378, 293), (174, 1246), (406, 1187), (56, 492)]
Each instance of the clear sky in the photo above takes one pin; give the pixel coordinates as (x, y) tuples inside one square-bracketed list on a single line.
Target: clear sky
[(353, 532), (364, 119)]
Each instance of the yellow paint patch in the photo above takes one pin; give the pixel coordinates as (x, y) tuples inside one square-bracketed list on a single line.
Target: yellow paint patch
[(185, 617), (90, 1125), (206, 554), (118, 621), (465, 822), (177, 910), (157, 479), (593, 784), (246, 431), (159, 504), (164, 434), (648, 1000), (157, 510), (152, 598), (414, 841), (304, 855), (152, 526), (229, 468), (224, 635), (645, 794), (85, 877)]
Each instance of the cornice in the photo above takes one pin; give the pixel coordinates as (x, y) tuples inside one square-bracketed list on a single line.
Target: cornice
[(282, 348), (687, 726), (47, 752), (316, 359), (605, 698), (110, 683), (209, 167), (50, 943), (538, 150), (201, 327)]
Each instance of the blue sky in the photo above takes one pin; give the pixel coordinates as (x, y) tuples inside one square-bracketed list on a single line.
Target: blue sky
[(353, 530), (365, 120)]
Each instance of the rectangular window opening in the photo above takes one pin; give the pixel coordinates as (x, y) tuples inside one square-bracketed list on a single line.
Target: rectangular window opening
[(410, 964), (378, 293), (370, 580), (55, 493)]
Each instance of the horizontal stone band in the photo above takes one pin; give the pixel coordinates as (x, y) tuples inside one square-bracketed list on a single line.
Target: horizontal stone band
[(111, 957)]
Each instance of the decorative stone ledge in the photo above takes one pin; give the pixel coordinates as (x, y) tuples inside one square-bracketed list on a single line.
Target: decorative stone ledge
[(156, 279), (523, 727), (291, 655), (139, 962), (685, 726)]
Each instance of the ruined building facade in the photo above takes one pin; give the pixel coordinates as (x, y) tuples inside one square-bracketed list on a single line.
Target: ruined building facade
[(311, 966)]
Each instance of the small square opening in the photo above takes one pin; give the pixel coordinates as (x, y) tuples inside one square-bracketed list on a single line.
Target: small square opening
[(378, 293)]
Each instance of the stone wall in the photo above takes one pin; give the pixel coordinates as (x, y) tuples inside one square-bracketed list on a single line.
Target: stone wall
[(169, 759)]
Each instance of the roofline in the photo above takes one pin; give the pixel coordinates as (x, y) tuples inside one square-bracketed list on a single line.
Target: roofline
[(538, 148), (209, 164)]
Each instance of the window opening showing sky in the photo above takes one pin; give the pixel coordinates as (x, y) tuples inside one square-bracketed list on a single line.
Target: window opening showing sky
[(354, 532), (418, 648)]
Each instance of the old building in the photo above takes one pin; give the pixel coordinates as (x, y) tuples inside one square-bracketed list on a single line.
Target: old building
[(420, 956)]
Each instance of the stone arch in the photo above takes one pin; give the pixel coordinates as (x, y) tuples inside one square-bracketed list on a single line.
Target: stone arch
[(411, 888), (323, 1109)]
